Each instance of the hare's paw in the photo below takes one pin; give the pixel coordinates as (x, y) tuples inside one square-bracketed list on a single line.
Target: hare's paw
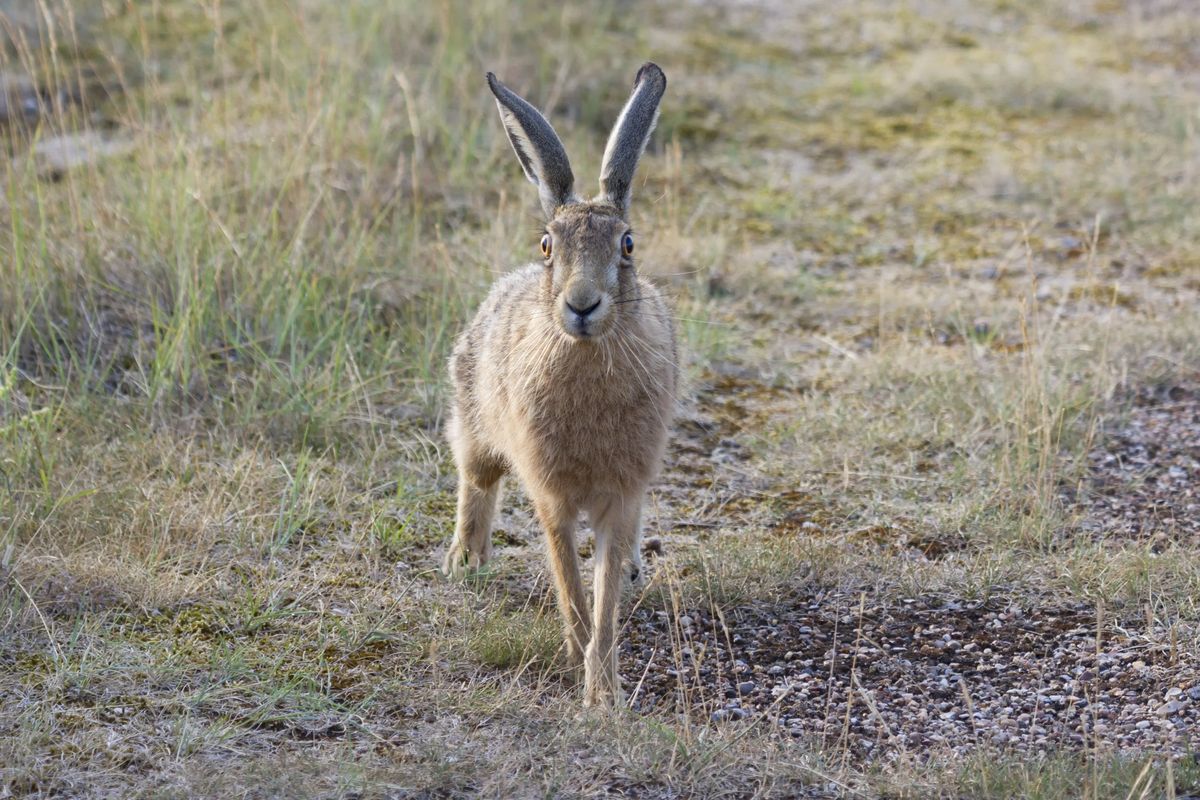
[(602, 692), (649, 549), (637, 572), (460, 562), (454, 565), (601, 684), (572, 662)]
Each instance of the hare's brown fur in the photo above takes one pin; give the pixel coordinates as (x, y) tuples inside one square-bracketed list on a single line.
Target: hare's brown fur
[(566, 378)]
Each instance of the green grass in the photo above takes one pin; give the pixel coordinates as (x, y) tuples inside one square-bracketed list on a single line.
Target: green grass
[(921, 258)]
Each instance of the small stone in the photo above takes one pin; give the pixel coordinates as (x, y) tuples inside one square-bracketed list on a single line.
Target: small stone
[(1169, 708), (729, 714), (686, 621), (746, 687), (1194, 692)]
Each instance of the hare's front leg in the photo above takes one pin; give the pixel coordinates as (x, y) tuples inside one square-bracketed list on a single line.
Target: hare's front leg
[(558, 519), (478, 493), (616, 522)]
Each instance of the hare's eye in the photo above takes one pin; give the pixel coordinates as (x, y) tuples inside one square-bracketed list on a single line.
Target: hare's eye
[(627, 245), (546, 245)]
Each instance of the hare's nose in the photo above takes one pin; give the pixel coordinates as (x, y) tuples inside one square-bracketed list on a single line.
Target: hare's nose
[(583, 312)]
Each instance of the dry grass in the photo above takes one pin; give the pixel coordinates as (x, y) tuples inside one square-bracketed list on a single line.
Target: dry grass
[(924, 256)]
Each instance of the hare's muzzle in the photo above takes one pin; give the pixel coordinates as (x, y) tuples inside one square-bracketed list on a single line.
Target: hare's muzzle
[(584, 317), (582, 313)]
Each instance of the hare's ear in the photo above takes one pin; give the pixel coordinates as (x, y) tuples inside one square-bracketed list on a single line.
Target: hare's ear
[(629, 136), (537, 146)]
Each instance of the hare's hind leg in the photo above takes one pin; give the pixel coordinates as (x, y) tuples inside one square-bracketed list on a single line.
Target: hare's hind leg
[(559, 519), (478, 493), (617, 522)]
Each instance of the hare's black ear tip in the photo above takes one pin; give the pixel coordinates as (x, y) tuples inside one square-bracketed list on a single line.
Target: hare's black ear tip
[(651, 71), (492, 81)]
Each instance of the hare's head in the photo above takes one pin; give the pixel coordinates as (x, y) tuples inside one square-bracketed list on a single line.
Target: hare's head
[(587, 245)]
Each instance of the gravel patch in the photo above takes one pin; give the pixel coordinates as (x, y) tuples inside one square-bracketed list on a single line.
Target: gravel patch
[(920, 674), (1144, 478)]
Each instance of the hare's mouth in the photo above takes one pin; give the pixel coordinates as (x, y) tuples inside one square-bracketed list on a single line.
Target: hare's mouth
[(583, 331)]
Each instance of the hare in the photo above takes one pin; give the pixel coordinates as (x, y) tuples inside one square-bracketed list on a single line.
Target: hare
[(566, 378)]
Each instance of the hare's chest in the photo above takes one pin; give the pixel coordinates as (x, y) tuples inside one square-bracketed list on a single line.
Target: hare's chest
[(591, 427), (588, 410)]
